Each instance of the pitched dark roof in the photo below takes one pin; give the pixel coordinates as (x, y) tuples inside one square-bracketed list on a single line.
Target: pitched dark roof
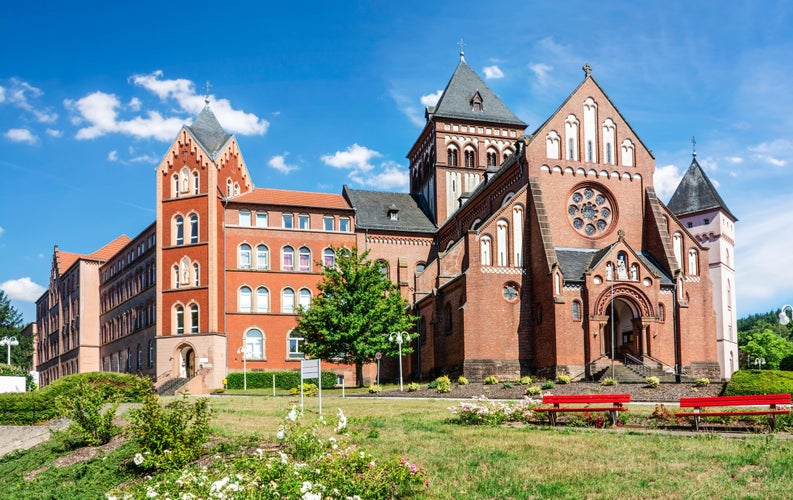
[(576, 261), (206, 128), (372, 211), (696, 193), (456, 100)]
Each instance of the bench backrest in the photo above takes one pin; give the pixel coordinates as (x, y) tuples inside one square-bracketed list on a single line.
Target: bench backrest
[(586, 398), (761, 399)]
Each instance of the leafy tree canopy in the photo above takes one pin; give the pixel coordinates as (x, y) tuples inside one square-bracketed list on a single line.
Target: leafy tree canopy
[(768, 345), (358, 307)]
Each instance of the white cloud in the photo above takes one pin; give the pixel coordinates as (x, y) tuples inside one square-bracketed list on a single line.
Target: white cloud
[(393, 176), (100, 112), (112, 156), (355, 158), (666, 180), (278, 162), (431, 99), (734, 159), (541, 72), (2, 230), (22, 289), (20, 94), (2, 95), (773, 152), (493, 72), (54, 133), (21, 135)]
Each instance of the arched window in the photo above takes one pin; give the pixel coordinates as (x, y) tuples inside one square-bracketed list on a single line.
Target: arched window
[(328, 257), (287, 259), (693, 262), (196, 280), (151, 353), (552, 141), (196, 183), (254, 344), (517, 235), (179, 320), (262, 300), (176, 276), (288, 301), (590, 129), (451, 156), (420, 266), (571, 134), (245, 217), (294, 345), (175, 186), (660, 312), (244, 300), (492, 157), (576, 310), (507, 154), (486, 255), (383, 265), (677, 246), (244, 257), (229, 188), (608, 132), (262, 257), (470, 157), (139, 362), (236, 189), (305, 298), (501, 242), (304, 262), (179, 230), (193, 318), (627, 153), (193, 228)]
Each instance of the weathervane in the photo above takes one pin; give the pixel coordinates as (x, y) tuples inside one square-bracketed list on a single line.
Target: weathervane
[(694, 145), (206, 92), (461, 44)]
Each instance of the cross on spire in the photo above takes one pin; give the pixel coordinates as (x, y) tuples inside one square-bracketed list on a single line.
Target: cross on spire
[(461, 44), (694, 146), (206, 92)]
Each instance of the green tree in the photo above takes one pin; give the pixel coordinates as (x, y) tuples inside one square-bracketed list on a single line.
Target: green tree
[(768, 345), (11, 326), (349, 322)]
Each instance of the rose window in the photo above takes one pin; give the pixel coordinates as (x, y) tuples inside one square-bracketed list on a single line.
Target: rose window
[(590, 211)]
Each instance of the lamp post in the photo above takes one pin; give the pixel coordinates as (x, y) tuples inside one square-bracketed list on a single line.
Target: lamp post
[(244, 351), (759, 362), (399, 337), (783, 318), (9, 341)]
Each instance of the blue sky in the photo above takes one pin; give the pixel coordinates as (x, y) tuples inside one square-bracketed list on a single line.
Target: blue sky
[(327, 93)]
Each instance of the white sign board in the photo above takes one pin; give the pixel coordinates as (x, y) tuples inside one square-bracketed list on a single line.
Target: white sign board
[(309, 368), (12, 384)]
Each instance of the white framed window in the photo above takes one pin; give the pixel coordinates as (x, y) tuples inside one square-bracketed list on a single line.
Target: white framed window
[(244, 257), (501, 242), (236, 189), (303, 221), (287, 259), (179, 319), (262, 257), (193, 228), (305, 298), (229, 188), (196, 280), (261, 219), (196, 184), (344, 224), (517, 236), (254, 344), (193, 318), (677, 246), (175, 185), (287, 221), (245, 217), (328, 257), (485, 251), (262, 300), (244, 300), (327, 223), (175, 276), (294, 345), (571, 134), (288, 301), (179, 230), (304, 261), (608, 133), (693, 262)]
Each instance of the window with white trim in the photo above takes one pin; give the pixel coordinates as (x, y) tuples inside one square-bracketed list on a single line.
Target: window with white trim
[(287, 220), (196, 183), (262, 300), (262, 257), (304, 261), (344, 224), (294, 345), (303, 221), (193, 228), (287, 259), (254, 344), (245, 217), (244, 300), (288, 301), (501, 242), (485, 251), (179, 320), (328, 257), (194, 318), (304, 299), (327, 223), (179, 230), (261, 219), (244, 257)]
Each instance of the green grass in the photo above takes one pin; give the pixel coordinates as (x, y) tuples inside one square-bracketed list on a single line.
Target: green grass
[(470, 461)]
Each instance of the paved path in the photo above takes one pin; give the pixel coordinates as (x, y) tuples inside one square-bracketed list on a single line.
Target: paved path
[(22, 437)]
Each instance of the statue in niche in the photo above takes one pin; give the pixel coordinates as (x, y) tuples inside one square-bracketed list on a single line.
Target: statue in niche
[(622, 270), (609, 271), (634, 273)]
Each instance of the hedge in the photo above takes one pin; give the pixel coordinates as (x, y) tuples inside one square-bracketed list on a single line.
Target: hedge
[(30, 408), (283, 380), (750, 382)]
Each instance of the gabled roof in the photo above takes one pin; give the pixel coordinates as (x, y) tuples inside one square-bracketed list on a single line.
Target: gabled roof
[(574, 262), (66, 260), (373, 211), (457, 100), (207, 130), (283, 197), (696, 193)]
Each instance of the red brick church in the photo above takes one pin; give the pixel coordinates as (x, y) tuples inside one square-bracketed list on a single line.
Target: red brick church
[(541, 253)]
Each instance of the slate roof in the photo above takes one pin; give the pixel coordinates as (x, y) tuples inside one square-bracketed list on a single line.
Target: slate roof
[(696, 193), (264, 196), (206, 128), (576, 261), (455, 102), (372, 211)]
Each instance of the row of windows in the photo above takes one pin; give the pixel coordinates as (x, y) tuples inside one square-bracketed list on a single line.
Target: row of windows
[(118, 266), (471, 158), (191, 324), (259, 218), (259, 302), (128, 322), (123, 361), (256, 345), (132, 286), (179, 229), (693, 255), (304, 262), (503, 243), (182, 185), (185, 274)]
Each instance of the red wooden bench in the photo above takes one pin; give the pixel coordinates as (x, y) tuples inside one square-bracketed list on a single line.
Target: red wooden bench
[(770, 400), (615, 400)]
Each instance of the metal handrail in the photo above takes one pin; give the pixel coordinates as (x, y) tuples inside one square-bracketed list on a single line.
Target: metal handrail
[(631, 361)]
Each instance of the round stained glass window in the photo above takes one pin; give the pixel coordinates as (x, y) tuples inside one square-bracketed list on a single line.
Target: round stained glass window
[(590, 211)]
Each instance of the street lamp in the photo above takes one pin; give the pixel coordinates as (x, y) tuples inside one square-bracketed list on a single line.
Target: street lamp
[(399, 337), (783, 319), (9, 341), (244, 351), (759, 362)]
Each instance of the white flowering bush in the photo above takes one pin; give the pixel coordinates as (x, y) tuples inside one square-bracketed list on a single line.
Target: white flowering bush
[(329, 469), (483, 411)]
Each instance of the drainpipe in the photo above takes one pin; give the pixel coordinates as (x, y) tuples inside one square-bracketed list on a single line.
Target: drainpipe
[(225, 201), (676, 336)]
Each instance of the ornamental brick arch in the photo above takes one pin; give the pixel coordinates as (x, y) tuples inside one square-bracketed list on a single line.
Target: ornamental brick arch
[(636, 298)]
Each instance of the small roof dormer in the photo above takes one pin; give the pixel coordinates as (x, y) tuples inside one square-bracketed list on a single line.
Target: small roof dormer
[(393, 212)]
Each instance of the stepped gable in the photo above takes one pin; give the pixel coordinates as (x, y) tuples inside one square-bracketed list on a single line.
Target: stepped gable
[(696, 194), (373, 210), (458, 100), (208, 132)]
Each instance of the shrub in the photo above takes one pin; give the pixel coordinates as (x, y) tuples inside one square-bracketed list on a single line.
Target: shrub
[(701, 382), (462, 380), (524, 380), (483, 411), (443, 384), (563, 379), (90, 425), (491, 380), (507, 385), (747, 382), (283, 380), (375, 389), (308, 389), (610, 381), (547, 385), (533, 390), (168, 436), (653, 382), (413, 387), (786, 364)]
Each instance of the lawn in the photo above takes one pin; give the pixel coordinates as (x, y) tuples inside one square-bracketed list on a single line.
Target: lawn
[(513, 461)]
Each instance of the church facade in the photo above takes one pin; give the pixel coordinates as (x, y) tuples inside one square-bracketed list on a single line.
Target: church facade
[(544, 254)]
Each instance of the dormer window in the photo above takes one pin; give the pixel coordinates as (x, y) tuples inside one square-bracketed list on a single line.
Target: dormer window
[(476, 102), (393, 212)]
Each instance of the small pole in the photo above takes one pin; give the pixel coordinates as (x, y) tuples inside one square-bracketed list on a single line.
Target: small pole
[(273, 384)]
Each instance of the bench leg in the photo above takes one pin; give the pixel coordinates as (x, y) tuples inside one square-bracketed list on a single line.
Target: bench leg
[(552, 418), (696, 423), (613, 418), (772, 422)]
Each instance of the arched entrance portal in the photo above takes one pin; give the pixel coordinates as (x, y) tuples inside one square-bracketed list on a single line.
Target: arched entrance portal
[(187, 362), (623, 326)]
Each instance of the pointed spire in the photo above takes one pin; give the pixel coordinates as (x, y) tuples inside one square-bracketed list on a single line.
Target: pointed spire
[(206, 128), (461, 44), (696, 194)]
